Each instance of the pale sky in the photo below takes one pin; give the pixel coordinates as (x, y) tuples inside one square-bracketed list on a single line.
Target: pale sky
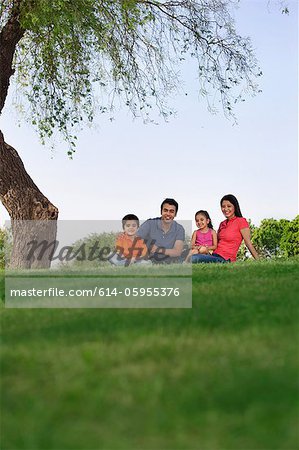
[(125, 166)]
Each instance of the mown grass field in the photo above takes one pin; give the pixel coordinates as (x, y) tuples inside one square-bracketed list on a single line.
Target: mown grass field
[(222, 375)]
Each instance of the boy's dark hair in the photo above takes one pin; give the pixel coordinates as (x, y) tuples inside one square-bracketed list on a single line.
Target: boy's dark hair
[(232, 199), (172, 202), (130, 217), (207, 216)]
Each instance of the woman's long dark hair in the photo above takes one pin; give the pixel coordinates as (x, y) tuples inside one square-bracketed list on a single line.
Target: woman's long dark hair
[(232, 199), (207, 216)]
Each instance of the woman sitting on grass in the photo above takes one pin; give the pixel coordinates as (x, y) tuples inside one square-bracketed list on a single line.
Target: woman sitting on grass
[(230, 234)]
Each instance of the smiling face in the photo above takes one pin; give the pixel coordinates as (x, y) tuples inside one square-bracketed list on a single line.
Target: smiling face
[(168, 213), (130, 227), (228, 209), (201, 221)]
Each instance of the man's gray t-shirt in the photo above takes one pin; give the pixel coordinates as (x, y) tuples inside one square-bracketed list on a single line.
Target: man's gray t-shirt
[(152, 233)]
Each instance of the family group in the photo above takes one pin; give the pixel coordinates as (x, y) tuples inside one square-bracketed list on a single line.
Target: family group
[(162, 239)]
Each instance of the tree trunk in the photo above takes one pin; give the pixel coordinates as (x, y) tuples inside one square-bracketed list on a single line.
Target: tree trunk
[(34, 217)]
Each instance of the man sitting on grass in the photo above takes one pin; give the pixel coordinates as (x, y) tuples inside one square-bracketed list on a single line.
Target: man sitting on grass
[(164, 237)]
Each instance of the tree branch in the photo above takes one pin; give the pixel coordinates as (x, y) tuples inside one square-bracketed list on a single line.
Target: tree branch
[(10, 35)]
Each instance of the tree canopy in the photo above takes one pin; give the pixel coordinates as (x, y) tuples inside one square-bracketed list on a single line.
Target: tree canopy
[(72, 58)]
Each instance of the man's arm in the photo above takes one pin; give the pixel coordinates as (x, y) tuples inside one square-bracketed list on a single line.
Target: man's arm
[(176, 250), (173, 252)]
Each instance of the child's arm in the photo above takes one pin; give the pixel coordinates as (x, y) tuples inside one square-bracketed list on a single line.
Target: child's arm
[(141, 248), (246, 236), (193, 239), (119, 247)]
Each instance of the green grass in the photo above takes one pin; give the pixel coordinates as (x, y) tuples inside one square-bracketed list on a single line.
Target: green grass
[(222, 375)]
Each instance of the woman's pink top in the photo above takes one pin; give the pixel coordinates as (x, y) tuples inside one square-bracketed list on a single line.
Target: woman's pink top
[(230, 237), (204, 238)]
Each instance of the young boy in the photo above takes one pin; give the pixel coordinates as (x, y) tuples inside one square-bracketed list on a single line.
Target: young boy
[(130, 248)]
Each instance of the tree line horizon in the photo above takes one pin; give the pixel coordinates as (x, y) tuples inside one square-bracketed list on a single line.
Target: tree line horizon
[(273, 238)]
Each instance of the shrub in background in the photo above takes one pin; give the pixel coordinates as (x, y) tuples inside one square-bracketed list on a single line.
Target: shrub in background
[(2, 254), (267, 237), (92, 250), (290, 239), (5, 246)]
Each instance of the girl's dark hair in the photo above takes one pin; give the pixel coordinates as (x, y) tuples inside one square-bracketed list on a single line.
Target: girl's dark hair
[(130, 217), (207, 216), (232, 199)]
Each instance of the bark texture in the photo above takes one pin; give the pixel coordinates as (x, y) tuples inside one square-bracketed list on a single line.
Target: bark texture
[(25, 203)]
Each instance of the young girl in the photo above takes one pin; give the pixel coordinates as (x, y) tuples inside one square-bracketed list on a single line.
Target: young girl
[(204, 240)]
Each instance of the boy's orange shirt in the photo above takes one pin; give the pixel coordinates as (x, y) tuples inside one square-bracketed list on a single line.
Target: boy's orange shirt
[(124, 246)]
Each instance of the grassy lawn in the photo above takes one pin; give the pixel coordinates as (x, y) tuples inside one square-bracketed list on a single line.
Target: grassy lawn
[(222, 375)]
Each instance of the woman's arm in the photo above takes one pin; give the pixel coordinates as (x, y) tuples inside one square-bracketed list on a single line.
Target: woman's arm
[(246, 236), (215, 240)]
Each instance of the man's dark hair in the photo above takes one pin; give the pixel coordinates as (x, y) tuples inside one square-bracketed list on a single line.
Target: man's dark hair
[(130, 217), (172, 202)]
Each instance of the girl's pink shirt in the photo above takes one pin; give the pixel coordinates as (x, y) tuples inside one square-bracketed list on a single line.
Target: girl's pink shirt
[(204, 238)]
